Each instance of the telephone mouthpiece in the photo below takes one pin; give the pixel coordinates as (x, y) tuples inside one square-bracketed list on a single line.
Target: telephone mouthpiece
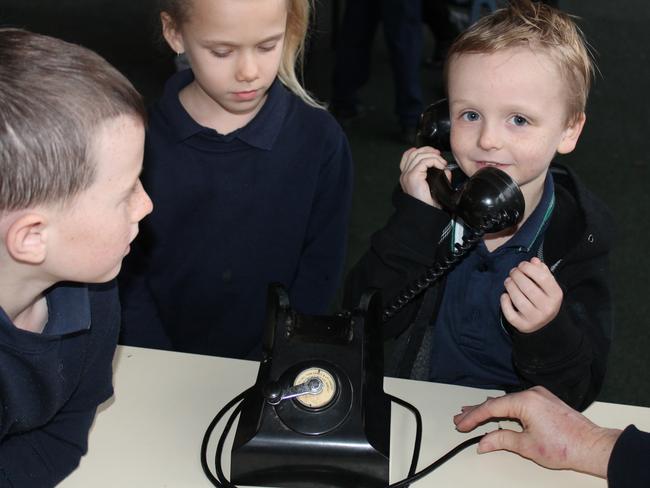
[(491, 201)]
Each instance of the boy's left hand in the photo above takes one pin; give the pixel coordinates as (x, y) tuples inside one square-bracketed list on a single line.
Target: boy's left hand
[(532, 298)]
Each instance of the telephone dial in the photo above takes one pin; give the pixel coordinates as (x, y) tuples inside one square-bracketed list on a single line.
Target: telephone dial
[(317, 414)]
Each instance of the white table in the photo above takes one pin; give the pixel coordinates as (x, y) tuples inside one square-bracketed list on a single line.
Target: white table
[(149, 434)]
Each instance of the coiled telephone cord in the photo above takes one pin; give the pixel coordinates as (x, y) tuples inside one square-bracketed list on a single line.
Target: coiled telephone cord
[(438, 269)]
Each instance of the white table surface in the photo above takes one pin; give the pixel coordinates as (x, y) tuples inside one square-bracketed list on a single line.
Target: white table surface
[(149, 434)]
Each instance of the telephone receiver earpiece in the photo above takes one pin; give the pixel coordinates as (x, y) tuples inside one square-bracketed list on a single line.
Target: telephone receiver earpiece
[(489, 201), (434, 126)]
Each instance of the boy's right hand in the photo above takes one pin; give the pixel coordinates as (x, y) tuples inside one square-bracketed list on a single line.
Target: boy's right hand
[(414, 166)]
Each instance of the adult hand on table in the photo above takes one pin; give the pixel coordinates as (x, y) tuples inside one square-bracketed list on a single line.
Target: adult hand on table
[(554, 435)]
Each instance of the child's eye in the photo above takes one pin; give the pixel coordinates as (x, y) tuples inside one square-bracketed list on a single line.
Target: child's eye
[(470, 116), (267, 47), (519, 120), (221, 54)]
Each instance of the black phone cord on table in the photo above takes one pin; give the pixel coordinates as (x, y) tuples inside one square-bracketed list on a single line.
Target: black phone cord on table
[(221, 481)]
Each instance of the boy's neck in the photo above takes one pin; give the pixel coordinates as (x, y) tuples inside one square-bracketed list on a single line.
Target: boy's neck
[(24, 304), (34, 317)]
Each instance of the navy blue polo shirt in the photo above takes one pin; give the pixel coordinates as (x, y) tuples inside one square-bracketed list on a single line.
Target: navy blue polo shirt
[(470, 345), (51, 383), (261, 132), (68, 311), (266, 203)]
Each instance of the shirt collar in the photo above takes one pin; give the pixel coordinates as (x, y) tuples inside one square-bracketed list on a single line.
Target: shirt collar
[(261, 132), (68, 310), (537, 222)]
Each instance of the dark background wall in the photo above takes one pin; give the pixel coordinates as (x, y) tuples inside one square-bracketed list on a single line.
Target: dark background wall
[(612, 156)]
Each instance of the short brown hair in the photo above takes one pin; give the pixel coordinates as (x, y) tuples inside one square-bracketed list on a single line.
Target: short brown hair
[(53, 97), (540, 27)]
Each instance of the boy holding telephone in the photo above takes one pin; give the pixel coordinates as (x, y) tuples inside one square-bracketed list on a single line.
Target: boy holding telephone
[(529, 305)]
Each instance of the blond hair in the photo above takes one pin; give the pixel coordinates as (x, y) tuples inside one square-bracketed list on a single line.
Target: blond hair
[(298, 12), (538, 26), (53, 97)]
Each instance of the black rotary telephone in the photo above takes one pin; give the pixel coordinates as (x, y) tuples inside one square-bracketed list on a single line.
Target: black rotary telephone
[(487, 202), (317, 414)]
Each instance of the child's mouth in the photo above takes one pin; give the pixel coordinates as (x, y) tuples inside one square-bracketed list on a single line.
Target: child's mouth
[(493, 164), (246, 95)]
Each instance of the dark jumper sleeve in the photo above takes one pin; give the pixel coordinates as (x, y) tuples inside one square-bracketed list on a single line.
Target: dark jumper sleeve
[(323, 254), (628, 465), (138, 305), (399, 253), (569, 355), (43, 457)]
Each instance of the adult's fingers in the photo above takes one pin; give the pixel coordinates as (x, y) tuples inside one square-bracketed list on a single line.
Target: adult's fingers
[(506, 406), (503, 439)]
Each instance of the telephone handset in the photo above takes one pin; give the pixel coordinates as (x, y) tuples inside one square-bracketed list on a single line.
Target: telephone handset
[(489, 192), (489, 201)]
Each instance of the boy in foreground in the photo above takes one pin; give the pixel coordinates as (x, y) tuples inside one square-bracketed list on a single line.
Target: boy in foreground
[(71, 144)]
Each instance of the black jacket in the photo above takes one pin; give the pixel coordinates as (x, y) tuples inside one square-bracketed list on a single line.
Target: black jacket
[(568, 356)]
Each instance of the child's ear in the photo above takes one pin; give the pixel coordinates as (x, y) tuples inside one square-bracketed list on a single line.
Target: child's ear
[(171, 34), (571, 135), (26, 238)]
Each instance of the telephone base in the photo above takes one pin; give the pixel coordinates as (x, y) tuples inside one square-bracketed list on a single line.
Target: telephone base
[(338, 437), (331, 463)]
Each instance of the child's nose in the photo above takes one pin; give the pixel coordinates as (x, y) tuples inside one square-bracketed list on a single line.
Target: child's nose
[(247, 68), (144, 205), (489, 137)]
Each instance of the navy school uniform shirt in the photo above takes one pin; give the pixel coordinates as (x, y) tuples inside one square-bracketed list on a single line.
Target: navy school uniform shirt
[(266, 203), (51, 383), (471, 346)]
